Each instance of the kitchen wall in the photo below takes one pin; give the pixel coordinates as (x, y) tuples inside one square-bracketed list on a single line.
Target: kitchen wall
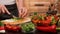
[(58, 6), (38, 5)]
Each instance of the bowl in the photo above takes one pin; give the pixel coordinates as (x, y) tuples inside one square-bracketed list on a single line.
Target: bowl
[(28, 27)]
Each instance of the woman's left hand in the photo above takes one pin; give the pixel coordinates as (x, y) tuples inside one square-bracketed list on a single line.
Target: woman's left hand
[(23, 12)]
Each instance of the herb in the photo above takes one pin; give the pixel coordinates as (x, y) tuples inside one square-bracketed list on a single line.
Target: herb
[(1, 24)]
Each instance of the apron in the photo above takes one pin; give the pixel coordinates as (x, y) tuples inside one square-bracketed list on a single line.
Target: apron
[(12, 9)]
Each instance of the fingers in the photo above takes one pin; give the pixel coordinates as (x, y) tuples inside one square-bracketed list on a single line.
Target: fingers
[(6, 10), (24, 14), (20, 13), (2, 10)]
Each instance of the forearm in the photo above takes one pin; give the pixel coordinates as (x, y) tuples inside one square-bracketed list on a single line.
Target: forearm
[(19, 4)]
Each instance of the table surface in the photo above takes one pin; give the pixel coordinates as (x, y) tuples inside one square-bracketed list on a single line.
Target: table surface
[(36, 32)]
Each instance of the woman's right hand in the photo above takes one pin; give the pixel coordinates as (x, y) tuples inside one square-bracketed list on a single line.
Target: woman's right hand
[(3, 9)]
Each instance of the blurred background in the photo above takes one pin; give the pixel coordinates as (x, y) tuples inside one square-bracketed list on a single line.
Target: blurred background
[(41, 6)]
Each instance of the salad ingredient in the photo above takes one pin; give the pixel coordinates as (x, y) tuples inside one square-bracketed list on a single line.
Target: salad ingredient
[(47, 28), (28, 27)]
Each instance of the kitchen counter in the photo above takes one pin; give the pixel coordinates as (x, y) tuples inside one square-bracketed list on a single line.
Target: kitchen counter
[(37, 32)]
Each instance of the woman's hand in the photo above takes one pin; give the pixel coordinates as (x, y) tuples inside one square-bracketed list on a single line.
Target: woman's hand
[(3, 9), (23, 12)]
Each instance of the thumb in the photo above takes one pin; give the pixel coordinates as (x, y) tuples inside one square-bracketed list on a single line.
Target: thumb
[(3, 10), (20, 13)]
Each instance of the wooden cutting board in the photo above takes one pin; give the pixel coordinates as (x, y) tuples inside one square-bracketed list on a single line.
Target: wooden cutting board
[(14, 22)]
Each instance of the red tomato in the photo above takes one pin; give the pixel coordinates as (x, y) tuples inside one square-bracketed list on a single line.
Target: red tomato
[(15, 28), (48, 18), (56, 17), (8, 26), (2, 28), (46, 22), (35, 21)]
